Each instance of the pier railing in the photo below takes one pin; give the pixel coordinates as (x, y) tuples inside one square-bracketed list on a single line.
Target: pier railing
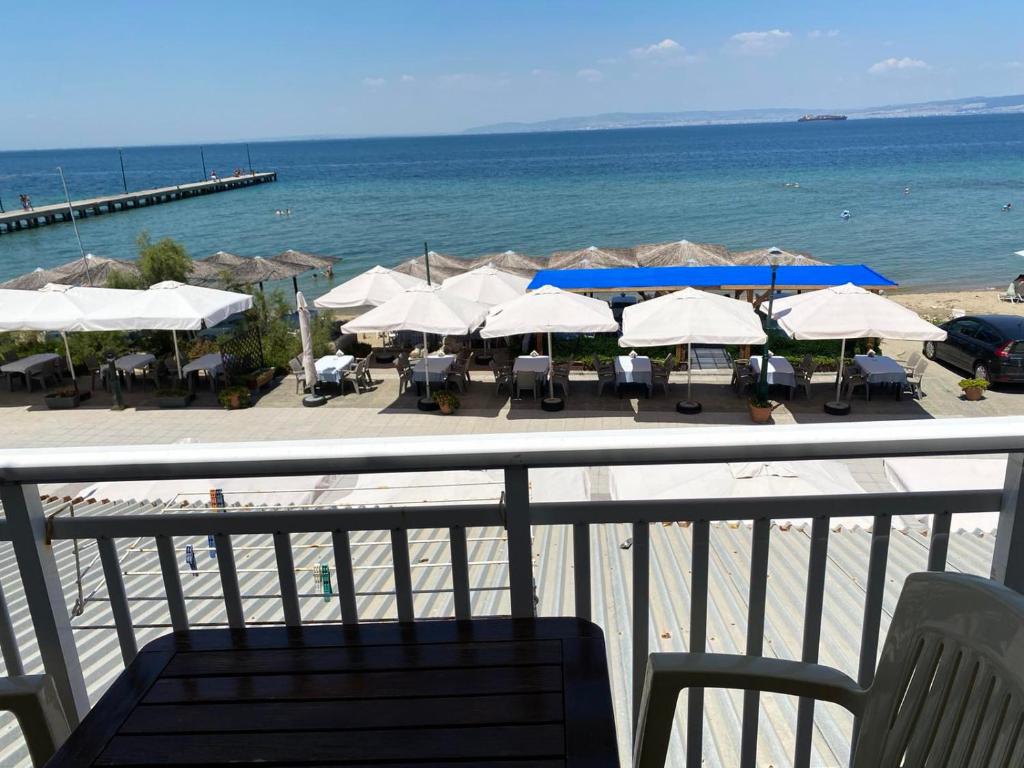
[(33, 534)]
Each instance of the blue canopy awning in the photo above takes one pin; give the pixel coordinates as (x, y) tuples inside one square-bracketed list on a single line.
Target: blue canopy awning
[(723, 278)]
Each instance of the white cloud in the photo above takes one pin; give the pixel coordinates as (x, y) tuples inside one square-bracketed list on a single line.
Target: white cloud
[(667, 47), (408, 79), (374, 82), (893, 64), (760, 43), (590, 75), (816, 34)]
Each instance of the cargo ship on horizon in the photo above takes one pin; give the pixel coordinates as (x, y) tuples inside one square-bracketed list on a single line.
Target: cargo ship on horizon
[(815, 118)]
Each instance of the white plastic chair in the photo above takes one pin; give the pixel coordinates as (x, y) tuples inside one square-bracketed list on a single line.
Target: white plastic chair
[(949, 689), (33, 700)]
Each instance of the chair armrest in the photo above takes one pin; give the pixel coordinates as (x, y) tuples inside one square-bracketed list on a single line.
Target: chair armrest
[(33, 700), (670, 673)]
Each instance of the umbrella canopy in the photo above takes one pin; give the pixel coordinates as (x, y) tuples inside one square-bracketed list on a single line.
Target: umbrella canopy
[(224, 259), (370, 289), (592, 258), (260, 270), (511, 261), (209, 274), (486, 285), (549, 310), (850, 312), (442, 266), (307, 260), (773, 255), (690, 316), (307, 338), (34, 280), (191, 304), (423, 308), (37, 311), (682, 253), (94, 270)]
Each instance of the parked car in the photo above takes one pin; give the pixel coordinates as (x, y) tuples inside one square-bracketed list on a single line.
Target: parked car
[(989, 347)]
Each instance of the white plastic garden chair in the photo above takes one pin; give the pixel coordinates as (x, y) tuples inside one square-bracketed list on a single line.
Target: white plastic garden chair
[(33, 700), (949, 689)]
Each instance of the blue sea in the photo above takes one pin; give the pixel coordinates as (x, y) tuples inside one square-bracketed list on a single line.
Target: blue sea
[(376, 201)]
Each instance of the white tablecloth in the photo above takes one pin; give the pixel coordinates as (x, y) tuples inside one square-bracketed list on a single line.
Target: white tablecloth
[(133, 362), (331, 368), (29, 364), (437, 365), (633, 370), (211, 363), (538, 364), (779, 371), (880, 369)]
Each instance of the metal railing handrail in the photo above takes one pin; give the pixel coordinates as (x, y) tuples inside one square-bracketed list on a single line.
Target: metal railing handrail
[(491, 451)]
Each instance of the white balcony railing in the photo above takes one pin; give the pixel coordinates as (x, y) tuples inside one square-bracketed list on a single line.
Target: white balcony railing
[(33, 534)]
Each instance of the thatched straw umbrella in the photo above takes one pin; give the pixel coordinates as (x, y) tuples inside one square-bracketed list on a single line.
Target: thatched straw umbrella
[(593, 258), (513, 262), (258, 270), (208, 274), (307, 260), (682, 253), (225, 259), (774, 255), (34, 280), (442, 266), (94, 270)]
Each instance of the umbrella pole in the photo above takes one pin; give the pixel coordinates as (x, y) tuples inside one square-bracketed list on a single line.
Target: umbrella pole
[(177, 354), (688, 406), (71, 363), (837, 407), (839, 375), (551, 368), (426, 366)]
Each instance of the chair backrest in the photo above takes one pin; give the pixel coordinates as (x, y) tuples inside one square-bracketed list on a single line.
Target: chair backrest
[(669, 361), (596, 361), (296, 366), (949, 689), (920, 368), (807, 362), (913, 359), (526, 380)]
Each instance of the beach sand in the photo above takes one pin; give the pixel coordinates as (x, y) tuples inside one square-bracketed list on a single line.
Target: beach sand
[(940, 306)]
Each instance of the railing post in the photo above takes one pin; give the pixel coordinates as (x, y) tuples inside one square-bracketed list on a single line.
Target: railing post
[(41, 581), (520, 547), (1008, 558)]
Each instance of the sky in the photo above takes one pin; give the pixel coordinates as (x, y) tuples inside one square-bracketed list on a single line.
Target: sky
[(129, 73)]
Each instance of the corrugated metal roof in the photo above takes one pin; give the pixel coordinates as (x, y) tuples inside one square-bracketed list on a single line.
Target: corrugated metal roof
[(611, 585)]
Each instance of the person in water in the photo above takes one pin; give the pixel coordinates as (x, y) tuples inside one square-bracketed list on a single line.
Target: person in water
[(1008, 207)]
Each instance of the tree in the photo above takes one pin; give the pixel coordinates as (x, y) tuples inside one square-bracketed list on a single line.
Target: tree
[(119, 278), (162, 260)]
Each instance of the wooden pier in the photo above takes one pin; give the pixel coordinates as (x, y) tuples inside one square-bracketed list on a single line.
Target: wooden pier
[(14, 221)]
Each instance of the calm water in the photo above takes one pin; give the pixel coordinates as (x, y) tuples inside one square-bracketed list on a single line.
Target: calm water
[(376, 201)]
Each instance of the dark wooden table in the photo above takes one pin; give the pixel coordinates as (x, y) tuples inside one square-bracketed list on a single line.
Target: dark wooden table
[(530, 693)]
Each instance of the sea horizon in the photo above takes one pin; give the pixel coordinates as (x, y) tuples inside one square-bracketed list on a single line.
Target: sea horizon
[(376, 200)]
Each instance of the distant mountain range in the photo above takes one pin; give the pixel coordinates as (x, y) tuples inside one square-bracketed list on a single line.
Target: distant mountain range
[(974, 105)]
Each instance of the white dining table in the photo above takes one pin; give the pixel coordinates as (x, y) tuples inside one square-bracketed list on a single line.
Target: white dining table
[(436, 366), (332, 368), (633, 370), (128, 364), (26, 366), (211, 364), (880, 369), (535, 363), (780, 371)]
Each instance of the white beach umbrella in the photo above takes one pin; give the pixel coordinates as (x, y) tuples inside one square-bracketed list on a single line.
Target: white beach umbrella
[(307, 340), (486, 285), (690, 316), (370, 289), (424, 308), (39, 311), (735, 480), (549, 310), (849, 312)]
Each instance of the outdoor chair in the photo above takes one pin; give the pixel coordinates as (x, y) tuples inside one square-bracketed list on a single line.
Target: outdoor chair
[(948, 688), (459, 375), (803, 373), (742, 376), (605, 376), (911, 362), (527, 381), (94, 369), (462, 357), (33, 701), (1011, 295), (669, 363), (157, 373), (915, 377), (659, 377), (853, 377), (299, 373), (502, 376), (361, 376), (560, 377), (45, 371), (404, 374)]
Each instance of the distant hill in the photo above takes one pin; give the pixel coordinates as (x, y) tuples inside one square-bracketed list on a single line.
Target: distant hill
[(974, 105)]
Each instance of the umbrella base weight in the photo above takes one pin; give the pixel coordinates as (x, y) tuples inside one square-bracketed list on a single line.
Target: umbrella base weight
[(552, 404), (427, 404), (688, 407), (837, 408), (312, 401)]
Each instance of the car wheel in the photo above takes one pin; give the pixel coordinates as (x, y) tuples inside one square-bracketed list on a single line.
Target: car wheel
[(981, 371), (929, 350)]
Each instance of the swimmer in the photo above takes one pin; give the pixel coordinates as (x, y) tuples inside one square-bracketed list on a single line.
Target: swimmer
[(845, 215), (1008, 207)]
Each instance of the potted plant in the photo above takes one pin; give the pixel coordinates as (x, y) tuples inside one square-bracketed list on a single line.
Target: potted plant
[(63, 399), (259, 378), (173, 398), (973, 388), (761, 410), (234, 398), (446, 401)]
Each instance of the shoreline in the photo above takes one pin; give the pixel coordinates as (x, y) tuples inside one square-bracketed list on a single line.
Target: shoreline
[(938, 305)]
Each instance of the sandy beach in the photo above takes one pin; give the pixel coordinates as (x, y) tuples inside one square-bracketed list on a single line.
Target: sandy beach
[(939, 306)]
